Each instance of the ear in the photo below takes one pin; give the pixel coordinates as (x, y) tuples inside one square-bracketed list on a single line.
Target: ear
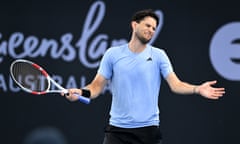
[(133, 24)]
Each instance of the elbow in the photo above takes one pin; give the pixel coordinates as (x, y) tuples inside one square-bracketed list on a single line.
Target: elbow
[(175, 87)]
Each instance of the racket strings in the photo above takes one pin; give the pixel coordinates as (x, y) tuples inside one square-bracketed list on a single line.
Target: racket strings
[(29, 77)]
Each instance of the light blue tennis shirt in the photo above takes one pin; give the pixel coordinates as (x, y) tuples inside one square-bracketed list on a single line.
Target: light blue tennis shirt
[(135, 80)]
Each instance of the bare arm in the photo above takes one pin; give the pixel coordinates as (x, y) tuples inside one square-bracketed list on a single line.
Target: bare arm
[(95, 88), (205, 89)]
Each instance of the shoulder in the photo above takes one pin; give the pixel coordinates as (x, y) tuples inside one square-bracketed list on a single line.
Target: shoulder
[(160, 55), (158, 51), (115, 49), (115, 52)]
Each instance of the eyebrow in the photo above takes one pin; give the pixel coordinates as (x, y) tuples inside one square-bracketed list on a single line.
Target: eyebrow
[(149, 25)]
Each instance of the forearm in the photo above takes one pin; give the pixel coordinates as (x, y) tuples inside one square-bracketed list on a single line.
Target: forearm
[(96, 86), (185, 88), (205, 89), (94, 90), (180, 87)]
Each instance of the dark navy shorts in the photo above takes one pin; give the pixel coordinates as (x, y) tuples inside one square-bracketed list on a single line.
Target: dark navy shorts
[(143, 135)]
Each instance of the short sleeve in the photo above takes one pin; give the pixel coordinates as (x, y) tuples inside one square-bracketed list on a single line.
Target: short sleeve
[(165, 64), (105, 68)]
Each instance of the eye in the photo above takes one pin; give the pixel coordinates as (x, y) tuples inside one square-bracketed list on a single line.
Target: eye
[(149, 26)]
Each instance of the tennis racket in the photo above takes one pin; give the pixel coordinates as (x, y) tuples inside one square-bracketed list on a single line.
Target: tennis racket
[(33, 79)]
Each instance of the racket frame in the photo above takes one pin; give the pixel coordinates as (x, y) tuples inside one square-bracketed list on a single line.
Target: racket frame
[(49, 79)]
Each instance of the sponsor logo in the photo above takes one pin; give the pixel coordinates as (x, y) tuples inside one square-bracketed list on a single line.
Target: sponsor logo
[(225, 51)]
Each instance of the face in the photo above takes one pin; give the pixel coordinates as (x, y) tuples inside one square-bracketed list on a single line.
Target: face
[(145, 29)]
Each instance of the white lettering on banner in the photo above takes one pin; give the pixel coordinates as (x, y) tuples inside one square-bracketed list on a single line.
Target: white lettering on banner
[(12, 86), (70, 82), (3, 84), (99, 44), (89, 52), (225, 51), (3, 48)]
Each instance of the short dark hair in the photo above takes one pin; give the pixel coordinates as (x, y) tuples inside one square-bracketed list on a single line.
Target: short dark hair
[(140, 15)]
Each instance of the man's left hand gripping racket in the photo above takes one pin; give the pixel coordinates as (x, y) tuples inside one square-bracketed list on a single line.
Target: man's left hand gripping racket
[(33, 79)]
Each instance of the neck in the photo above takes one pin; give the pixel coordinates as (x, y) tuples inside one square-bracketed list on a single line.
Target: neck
[(136, 46)]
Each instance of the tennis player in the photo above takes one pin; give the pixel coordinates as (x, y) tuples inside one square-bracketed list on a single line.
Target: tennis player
[(135, 71)]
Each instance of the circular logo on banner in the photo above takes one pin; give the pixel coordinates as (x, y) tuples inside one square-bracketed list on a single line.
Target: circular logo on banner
[(225, 51)]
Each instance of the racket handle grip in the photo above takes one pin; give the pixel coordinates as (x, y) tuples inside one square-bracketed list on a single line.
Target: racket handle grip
[(83, 99)]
